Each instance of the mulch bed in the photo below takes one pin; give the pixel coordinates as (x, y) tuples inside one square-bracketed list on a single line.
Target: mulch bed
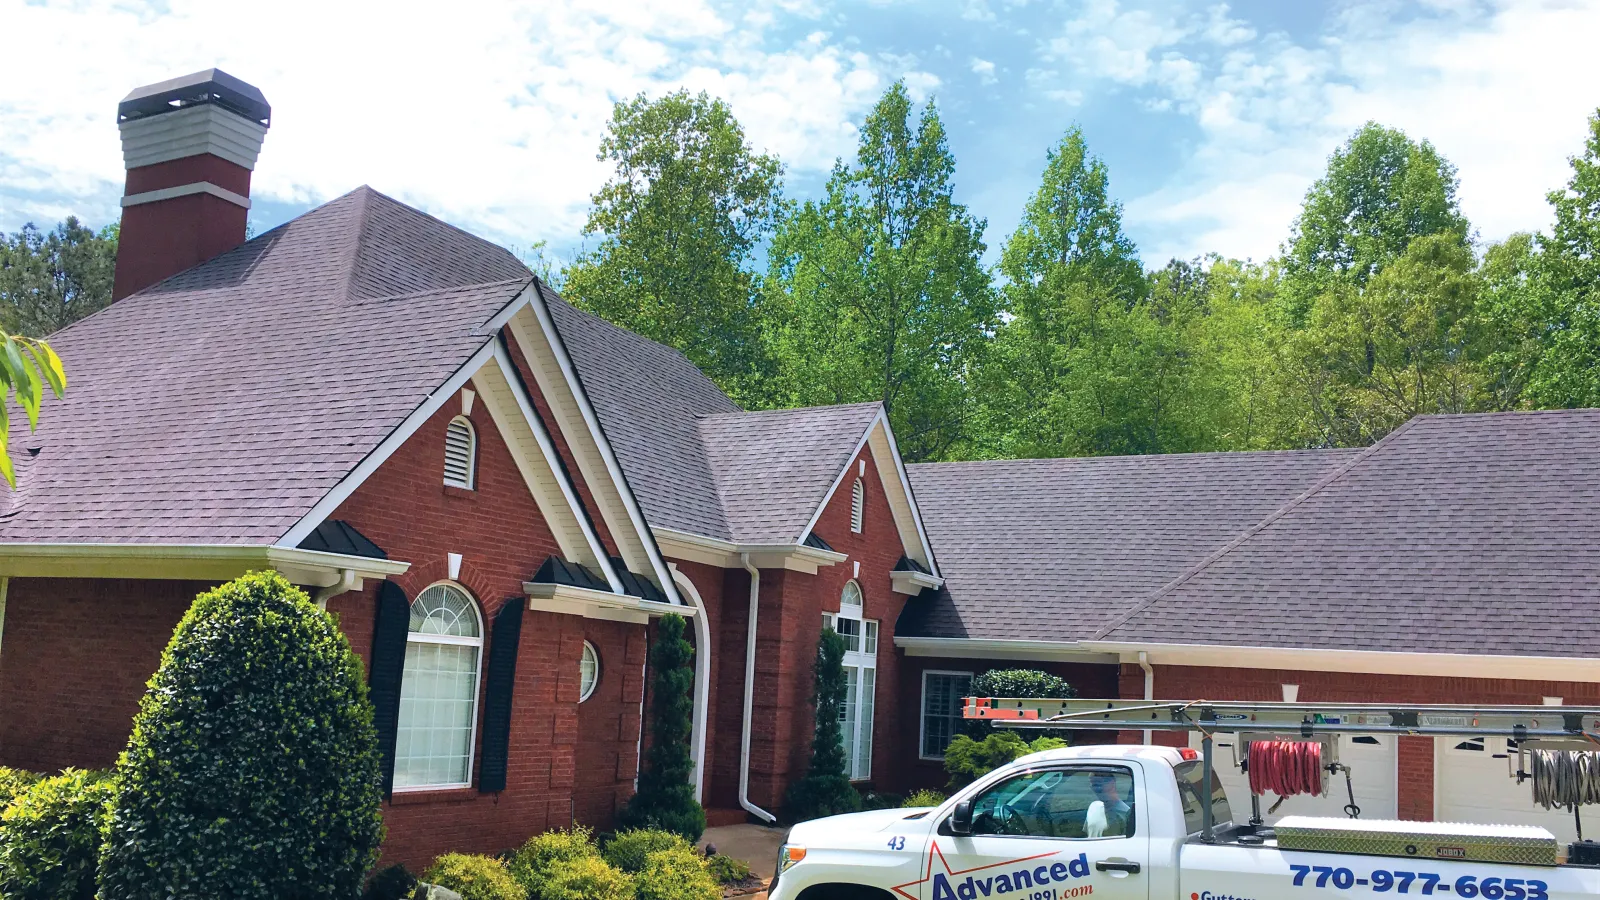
[(751, 885)]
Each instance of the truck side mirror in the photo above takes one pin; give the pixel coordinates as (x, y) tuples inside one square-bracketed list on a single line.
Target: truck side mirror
[(961, 818)]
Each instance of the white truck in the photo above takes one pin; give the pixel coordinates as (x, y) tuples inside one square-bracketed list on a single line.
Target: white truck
[(1118, 822)]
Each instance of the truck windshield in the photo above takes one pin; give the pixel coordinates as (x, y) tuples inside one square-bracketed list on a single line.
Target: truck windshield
[(1190, 788)]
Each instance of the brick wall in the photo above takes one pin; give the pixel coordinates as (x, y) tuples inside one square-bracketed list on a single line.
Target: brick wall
[(726, 678), (1416, 775)]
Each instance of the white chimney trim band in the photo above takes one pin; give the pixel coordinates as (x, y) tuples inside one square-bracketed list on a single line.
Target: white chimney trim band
[(190, 132), (185, 190)]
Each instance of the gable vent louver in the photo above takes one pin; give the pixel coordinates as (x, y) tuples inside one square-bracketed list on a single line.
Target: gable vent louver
[(460, 446), (858, 499)]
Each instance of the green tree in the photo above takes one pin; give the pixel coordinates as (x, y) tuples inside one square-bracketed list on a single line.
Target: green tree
[(48, 280), (665, 798), (1241, 391), (687, 205), (1381, 191), (252, 771), (879, 288), (825, 790)]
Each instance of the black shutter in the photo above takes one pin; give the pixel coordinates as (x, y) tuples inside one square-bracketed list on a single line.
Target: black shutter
[(390, 626), (499, 679)]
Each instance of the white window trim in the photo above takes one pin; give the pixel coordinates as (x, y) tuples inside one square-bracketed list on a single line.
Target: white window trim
[(472, 455), (859, 659), (922, 709), (593, 685), (472, 735)]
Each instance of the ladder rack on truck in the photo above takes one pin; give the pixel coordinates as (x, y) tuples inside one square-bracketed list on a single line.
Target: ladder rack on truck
[(1534, 728)]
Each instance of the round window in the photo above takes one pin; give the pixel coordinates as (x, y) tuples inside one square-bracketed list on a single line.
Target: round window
[(588, 672)]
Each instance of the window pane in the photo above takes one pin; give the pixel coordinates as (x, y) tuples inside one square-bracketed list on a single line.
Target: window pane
[(863, 755), (941, 711), (851, 596), (588, 672), (870, 641), (438, 694), (1191, 783), (1059, 803), (443, 609), (850, 630), (847, 713)]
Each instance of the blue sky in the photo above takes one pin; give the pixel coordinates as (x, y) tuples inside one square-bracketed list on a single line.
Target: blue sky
[(1214, 118)]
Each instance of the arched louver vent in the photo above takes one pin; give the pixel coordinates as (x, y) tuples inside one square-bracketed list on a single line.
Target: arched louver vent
[(858, 499), (460, 450)]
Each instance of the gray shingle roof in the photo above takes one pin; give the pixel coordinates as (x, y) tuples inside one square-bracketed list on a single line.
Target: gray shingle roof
[(773, 469), (219, 405), (1456, 534), (1048, 549)]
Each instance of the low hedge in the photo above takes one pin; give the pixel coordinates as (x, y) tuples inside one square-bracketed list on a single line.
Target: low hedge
[(676, 874), (50, 837), (585, 878), (531, 864), (14, 782), (923, 797), (627, 851), (474, 877)]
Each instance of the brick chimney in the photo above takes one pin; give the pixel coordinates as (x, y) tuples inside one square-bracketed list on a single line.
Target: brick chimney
[(189, 145)]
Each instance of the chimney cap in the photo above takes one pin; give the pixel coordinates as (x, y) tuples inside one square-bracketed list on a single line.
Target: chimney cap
[(205, 86)]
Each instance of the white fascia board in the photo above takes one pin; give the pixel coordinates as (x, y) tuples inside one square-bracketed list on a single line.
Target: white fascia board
[(913, 583), (516, 305), (725, 554), (591, 604), (597, 434), (552, 461), (1373, 662), (893, 453), (203, 562), (386, 448), (974, 648)]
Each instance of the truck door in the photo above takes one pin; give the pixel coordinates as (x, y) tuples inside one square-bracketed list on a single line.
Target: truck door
[(1054, 832)]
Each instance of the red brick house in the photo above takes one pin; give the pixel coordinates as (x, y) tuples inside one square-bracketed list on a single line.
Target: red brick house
[(495, 493)]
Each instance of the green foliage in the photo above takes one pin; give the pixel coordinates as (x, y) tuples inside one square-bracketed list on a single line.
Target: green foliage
[(393, 883), (678, 873), (878, 290), (474, 877), (727, 869), (685, 209), (967, 759), (50, 837), (825, 790), (48, 280), (253, 766), (923, 797), (533, 862), (585, 878), (627, 851), (666, 798), (1021, 683), (14, 782), (880, 800)]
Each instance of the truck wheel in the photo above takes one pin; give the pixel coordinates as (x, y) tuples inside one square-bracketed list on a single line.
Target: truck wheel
[(844, 892)]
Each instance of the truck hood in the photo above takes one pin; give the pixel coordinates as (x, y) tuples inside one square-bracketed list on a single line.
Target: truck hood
[(819, 830)]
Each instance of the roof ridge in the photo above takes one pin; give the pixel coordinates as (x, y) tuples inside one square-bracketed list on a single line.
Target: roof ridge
[(788, 409), (553, 294), (1321, 483), (1201, 454), (351, 259)]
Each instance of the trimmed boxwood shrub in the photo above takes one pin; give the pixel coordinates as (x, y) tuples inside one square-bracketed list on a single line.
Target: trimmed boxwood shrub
[(627, 851), (587, 878), (676, 874), (474, 877), (530, 865), (50, 837), (923, 797), (252, 771), (14, 782), (825, 790), (666, 798), (727, 869), (1017, 683)]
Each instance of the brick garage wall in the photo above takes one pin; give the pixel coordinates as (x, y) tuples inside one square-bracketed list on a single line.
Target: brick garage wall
[(1416, 774), (74, 659), (1089, 679), (497, 528)]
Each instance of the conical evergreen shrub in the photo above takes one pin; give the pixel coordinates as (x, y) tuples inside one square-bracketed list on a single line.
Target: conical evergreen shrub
[(665, 798), (826, 789)]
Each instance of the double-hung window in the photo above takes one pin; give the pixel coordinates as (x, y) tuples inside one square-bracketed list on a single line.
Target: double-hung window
[(861, 679), (439, 690), (942, 693)]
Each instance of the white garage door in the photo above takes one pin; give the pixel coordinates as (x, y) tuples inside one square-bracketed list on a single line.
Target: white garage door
[(1473, 784), (1371, 759)]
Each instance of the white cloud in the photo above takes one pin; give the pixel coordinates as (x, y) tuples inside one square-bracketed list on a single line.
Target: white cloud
[(487, 114), (984, 69)]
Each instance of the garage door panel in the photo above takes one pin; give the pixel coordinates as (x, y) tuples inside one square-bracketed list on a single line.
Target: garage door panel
[(1474, 784), (1372, 767)]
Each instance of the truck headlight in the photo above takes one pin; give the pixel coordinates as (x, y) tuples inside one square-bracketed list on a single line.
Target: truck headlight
[(788, 855)]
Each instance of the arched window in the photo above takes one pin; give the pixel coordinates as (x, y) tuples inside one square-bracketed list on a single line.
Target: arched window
[(588, 672), (861, 678), (439, 690), (460, 453), (858, 500)]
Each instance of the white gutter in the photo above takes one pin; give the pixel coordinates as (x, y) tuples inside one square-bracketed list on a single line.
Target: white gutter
[(750, 695), (199, 562), (348, 581), (977, 648), (1149, 687), (1376, 662)]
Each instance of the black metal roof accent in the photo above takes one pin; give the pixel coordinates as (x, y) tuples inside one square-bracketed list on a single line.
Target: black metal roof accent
[(558, 571), (196, 89), (637, 585), (907, 564), (339, 536), (815, 540)]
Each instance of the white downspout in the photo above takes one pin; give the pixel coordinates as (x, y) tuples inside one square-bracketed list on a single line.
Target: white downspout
[(1149, 686), (750, 695), (348, 581)]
